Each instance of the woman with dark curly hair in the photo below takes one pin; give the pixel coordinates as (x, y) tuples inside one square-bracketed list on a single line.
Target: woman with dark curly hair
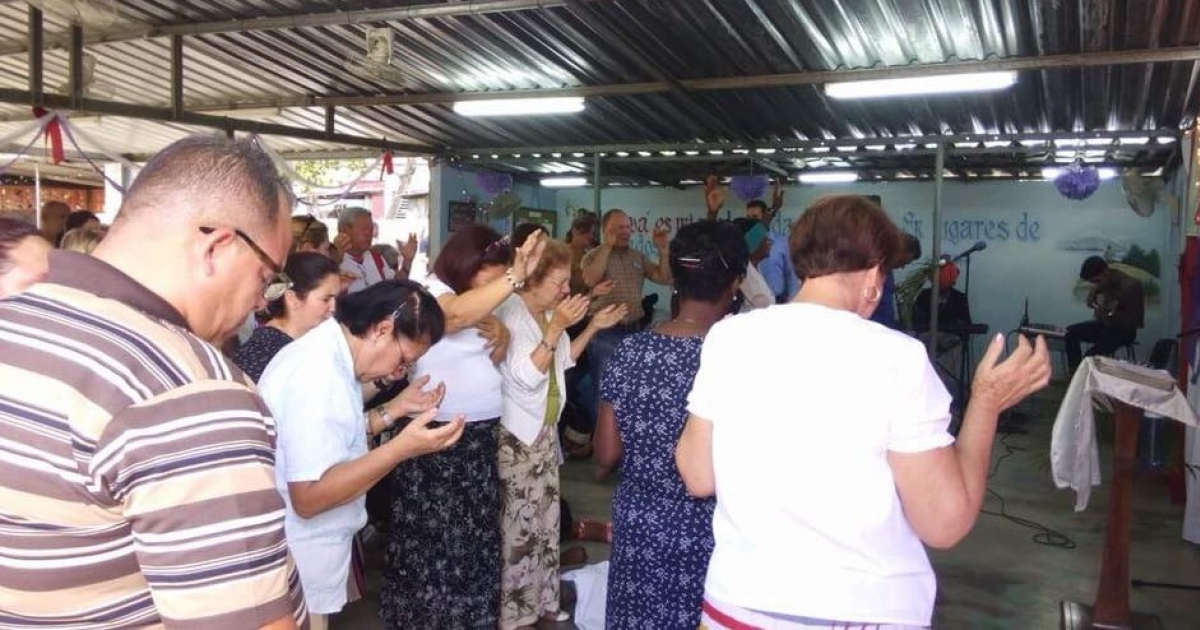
[(661, 536)]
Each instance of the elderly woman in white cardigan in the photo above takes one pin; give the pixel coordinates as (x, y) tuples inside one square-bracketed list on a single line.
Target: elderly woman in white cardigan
[(539, 352)]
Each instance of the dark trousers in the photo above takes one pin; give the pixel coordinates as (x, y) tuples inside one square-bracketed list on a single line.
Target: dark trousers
[(601, 350), (1105, 340)]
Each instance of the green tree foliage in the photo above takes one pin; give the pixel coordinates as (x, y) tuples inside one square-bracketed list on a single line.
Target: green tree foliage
[(326, 172), (1147, 261)]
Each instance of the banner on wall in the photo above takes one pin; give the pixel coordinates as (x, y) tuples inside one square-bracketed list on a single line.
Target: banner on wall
[(548, 219)]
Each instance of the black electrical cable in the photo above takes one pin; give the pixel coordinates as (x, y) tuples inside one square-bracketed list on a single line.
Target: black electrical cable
[(1045, 535)]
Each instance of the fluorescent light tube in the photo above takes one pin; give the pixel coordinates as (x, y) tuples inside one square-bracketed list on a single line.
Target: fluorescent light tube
[(919, 86), (564, 182), (520, 106), (828, 177)]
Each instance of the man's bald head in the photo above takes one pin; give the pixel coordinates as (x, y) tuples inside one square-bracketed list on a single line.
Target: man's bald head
[(210, 178), (205, 226)]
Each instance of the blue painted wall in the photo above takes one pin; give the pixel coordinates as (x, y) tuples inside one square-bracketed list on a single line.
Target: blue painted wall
[(1036, 238)]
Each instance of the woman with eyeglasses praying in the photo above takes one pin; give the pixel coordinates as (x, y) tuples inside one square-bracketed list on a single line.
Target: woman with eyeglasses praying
[(444, 560), (323, 467), (308, 302), (539, 353), (662, 536)]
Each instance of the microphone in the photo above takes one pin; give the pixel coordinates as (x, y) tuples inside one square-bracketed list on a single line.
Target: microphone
[(977, 247)]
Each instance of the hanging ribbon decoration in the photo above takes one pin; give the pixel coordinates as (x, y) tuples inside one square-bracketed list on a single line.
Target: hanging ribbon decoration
[(53, 133), (74, 131), (386, 168), (70, 129), (35, 126), (339, 191)]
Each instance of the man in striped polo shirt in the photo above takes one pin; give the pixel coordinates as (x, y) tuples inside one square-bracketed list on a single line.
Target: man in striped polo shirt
[(137, 482)]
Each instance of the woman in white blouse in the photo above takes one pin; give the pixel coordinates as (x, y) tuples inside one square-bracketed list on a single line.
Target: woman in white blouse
[(322, 466), (849, 460), (539, 353)]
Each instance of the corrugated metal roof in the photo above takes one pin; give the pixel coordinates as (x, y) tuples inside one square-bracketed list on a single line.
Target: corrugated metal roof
[(608, 42)]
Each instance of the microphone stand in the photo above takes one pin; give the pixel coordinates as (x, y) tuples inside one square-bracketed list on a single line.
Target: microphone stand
[(968, 350)]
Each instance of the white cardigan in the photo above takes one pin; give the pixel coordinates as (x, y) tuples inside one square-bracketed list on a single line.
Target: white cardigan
[(524, 387)]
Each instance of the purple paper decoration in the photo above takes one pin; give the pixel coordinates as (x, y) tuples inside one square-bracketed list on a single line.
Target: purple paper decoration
[(493, 183), (1077, 181), (748, 187)]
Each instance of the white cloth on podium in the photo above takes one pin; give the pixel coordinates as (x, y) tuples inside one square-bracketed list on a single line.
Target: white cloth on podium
[(1191, 457), (1074, 453)]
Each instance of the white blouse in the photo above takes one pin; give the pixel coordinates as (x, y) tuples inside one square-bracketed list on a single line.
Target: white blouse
[(317, 402), (807, 462), (756, 290), (461, 360), (525, 387)]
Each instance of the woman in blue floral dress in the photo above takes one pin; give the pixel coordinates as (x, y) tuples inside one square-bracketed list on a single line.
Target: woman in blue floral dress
[(661, 536)]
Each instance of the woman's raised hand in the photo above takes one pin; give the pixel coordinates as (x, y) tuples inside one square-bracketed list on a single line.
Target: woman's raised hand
[(570, 311), (609, 316), (526, 258), (999, 385)]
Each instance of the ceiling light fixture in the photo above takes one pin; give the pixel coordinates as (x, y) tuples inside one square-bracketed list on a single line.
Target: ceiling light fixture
[(922, 86), (828, 177), (520, 106), (564, 182)]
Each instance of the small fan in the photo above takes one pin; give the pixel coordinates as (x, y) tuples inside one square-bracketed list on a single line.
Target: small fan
[(504, 204), (1141, 193), (94, 13), (377, 63), (91, 87)]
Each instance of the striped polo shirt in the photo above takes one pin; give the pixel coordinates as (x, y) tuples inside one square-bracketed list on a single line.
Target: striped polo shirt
[(137, 484)]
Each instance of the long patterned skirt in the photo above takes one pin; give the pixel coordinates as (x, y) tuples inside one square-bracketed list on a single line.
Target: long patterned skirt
[(529, 526), (443, 560)]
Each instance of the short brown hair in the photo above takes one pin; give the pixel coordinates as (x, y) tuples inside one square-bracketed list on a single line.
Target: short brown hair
[(843, 233), (608, 216), (468, 250), (219, 176), (556, 254), (585, 222), (308, 229)]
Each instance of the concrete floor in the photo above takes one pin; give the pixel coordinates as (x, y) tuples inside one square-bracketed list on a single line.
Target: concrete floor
[(997, 578)]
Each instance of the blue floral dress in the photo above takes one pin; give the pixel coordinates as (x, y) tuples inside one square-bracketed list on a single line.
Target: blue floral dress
[(662, 537)]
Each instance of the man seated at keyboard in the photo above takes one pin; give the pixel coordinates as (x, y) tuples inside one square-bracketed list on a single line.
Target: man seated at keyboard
[(1119, 304)]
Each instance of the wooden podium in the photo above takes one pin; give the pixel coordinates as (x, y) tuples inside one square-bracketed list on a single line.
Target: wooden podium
[(1111, 607)]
